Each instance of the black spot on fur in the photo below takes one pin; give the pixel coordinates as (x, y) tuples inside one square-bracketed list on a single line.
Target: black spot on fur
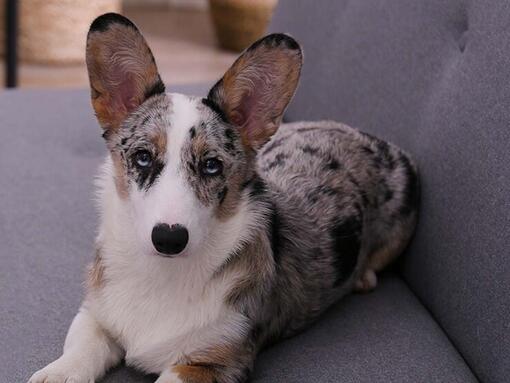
[(192, 132), (276, 235), (272, 145), (213, 105), (310, 150), (101, 23), (192, 167), (229, 147), (222, 194), (279, 160), (315, 194), (353, 180), (368, 150), (388, 195), (411, 193), (320, 130), (327, 190), (106, 134), (256, 185), (146, 120), (346, 239), (123, 141), (230, 136), (157, 88), (332, 165)]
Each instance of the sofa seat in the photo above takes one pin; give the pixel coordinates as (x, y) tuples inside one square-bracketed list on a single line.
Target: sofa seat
[(50, 150)]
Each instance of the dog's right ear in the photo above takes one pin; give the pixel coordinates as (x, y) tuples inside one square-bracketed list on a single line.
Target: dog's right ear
[(122, 70)]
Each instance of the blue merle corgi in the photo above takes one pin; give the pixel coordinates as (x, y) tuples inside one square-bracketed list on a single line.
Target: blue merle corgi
[(221, 229)]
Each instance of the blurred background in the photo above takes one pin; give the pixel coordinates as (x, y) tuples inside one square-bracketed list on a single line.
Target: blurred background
[(193, 41)]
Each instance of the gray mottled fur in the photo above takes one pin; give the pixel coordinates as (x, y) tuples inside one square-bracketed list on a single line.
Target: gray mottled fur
[(335, 197)]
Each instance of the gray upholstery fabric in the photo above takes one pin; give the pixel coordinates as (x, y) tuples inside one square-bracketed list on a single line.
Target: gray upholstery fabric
[(49, 153), (432, 76)]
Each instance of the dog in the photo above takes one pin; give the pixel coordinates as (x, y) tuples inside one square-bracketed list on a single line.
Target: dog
[(223, 230)]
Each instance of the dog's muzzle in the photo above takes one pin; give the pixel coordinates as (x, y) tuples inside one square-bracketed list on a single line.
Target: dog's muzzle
[(169, 240)]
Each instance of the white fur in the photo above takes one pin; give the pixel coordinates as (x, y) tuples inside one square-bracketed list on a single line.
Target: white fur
[(155, 308)]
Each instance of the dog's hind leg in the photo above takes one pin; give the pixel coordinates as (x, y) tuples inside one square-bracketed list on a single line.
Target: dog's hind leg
[(396, 240)]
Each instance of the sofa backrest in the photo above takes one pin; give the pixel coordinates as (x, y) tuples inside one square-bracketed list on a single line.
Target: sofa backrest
[(432, 76)]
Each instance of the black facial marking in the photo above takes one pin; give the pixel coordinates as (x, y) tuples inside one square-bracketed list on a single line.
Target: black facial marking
[(192, 132), (229, 147), (222, 194), (346, 239), (145, 177), (229, 133), (192, 167), (157, 167), (230, 136), (411, 193)]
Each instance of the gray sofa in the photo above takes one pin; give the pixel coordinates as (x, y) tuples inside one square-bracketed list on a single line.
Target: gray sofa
[(432, 76)]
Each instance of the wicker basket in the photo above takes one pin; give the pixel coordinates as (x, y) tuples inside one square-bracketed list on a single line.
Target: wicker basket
[(54, 31), (239, 23)]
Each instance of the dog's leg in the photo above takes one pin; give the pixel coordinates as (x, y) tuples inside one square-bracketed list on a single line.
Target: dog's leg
[(88, 353), (222, 364)]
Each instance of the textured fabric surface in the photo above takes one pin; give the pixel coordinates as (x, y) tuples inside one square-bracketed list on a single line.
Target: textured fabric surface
[(433, 77), (49, 152)]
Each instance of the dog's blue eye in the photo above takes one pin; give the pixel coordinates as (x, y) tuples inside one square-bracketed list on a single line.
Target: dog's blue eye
[(211, 167), (143, 158)]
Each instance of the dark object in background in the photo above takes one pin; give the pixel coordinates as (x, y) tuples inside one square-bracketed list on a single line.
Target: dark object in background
[(239, 23), (11, 43)]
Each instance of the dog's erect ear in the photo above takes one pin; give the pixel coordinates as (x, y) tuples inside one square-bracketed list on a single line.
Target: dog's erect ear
[(254, 93), (122, 70)]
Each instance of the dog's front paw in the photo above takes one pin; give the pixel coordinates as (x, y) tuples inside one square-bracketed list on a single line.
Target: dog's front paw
[(60, 372)]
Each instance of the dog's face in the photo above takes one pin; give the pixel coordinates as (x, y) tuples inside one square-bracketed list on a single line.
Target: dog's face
[(182, 165)]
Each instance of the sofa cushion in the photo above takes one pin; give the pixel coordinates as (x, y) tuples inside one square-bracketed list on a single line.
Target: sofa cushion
[(49, 153), (432, 76)]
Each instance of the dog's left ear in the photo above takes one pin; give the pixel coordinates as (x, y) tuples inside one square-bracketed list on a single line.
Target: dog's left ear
[(122, 70), (254, 93)]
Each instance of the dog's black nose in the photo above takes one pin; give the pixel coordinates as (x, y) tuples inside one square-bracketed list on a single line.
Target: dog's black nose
[(169, 240)]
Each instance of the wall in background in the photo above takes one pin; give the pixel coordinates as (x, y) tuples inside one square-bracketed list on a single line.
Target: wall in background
[(194, 4)]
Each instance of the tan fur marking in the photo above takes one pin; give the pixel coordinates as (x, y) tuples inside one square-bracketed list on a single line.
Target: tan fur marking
[(159, 138), (195, 373), (121, 182), (95, 272)]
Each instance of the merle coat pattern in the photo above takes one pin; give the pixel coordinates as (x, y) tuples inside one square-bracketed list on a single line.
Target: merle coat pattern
[(275, 221)]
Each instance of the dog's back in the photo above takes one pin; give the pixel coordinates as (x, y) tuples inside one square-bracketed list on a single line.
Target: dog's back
[(345, 205)]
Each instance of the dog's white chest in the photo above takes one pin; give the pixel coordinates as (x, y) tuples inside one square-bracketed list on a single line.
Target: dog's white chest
[(157, 315)]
